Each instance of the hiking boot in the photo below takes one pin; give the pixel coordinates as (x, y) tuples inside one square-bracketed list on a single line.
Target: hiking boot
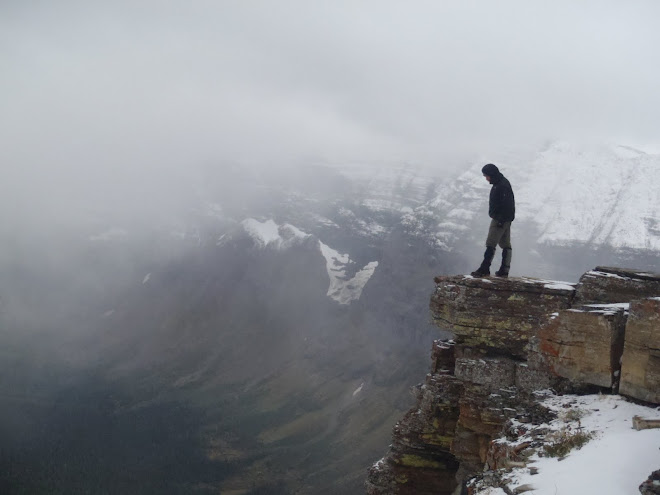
[(506, 263), (484, 268)]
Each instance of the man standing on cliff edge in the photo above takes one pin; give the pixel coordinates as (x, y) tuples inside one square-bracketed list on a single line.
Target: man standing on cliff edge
[(502, 211)]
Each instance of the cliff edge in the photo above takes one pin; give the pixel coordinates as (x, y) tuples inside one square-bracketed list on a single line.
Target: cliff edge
[(513, 339)]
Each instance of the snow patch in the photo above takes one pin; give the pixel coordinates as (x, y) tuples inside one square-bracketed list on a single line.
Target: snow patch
[(624, 306), (559, 286), (270, 234), (606, 275), (262, 232), (342, 289)]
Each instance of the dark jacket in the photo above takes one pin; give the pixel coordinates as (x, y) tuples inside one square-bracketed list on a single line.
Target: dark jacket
[(502, 204)]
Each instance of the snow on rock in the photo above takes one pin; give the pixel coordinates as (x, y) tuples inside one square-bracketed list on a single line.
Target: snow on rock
[(610, 308), (342, 289), (263, 232), (614, 462), (559, 286)]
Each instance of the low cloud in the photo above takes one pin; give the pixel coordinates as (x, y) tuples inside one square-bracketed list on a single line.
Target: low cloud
[(100, 97)]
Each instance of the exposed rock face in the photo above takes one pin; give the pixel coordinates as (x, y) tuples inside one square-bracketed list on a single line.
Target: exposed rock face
[(420, 459), (514, 337), (471, 391), (496, 315), (641, 356), (582, 344)]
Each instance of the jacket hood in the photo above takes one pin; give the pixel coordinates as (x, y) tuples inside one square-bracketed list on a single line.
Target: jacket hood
[(493, 172), (490, 170)]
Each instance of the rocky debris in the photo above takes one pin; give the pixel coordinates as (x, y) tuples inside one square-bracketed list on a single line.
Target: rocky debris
[(640, 364), (652, 485), (582, 344), (614, 285), (493, 314)]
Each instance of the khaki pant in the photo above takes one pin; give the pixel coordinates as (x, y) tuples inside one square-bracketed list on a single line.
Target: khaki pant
[(499, 235)]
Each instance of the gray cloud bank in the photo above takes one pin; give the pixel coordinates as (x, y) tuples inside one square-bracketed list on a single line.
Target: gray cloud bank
[(98, 95)]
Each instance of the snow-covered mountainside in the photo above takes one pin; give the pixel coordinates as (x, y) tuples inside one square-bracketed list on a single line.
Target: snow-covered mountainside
[(389, 187), (565, 195)]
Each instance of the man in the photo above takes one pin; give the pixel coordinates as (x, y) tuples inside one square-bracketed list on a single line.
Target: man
[(502, 211)]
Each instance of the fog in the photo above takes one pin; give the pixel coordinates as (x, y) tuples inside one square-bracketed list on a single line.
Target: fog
[(125, 96), (120, 121)]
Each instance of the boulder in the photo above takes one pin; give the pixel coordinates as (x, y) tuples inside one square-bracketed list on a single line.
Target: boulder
[(613, 285), (640, 364), (652, 485), (583, 344)]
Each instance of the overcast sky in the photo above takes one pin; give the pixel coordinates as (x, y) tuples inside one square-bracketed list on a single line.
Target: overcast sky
[(96, 90)]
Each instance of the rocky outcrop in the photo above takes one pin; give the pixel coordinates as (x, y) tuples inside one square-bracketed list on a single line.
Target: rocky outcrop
[(496, 316), (514, 337), (652, 485), (472, 389)]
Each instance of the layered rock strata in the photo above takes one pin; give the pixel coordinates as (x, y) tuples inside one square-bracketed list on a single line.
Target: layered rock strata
[(641, 356), (583, 344), (514, 337), (471, 391), (605, 285), (496, 316)]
